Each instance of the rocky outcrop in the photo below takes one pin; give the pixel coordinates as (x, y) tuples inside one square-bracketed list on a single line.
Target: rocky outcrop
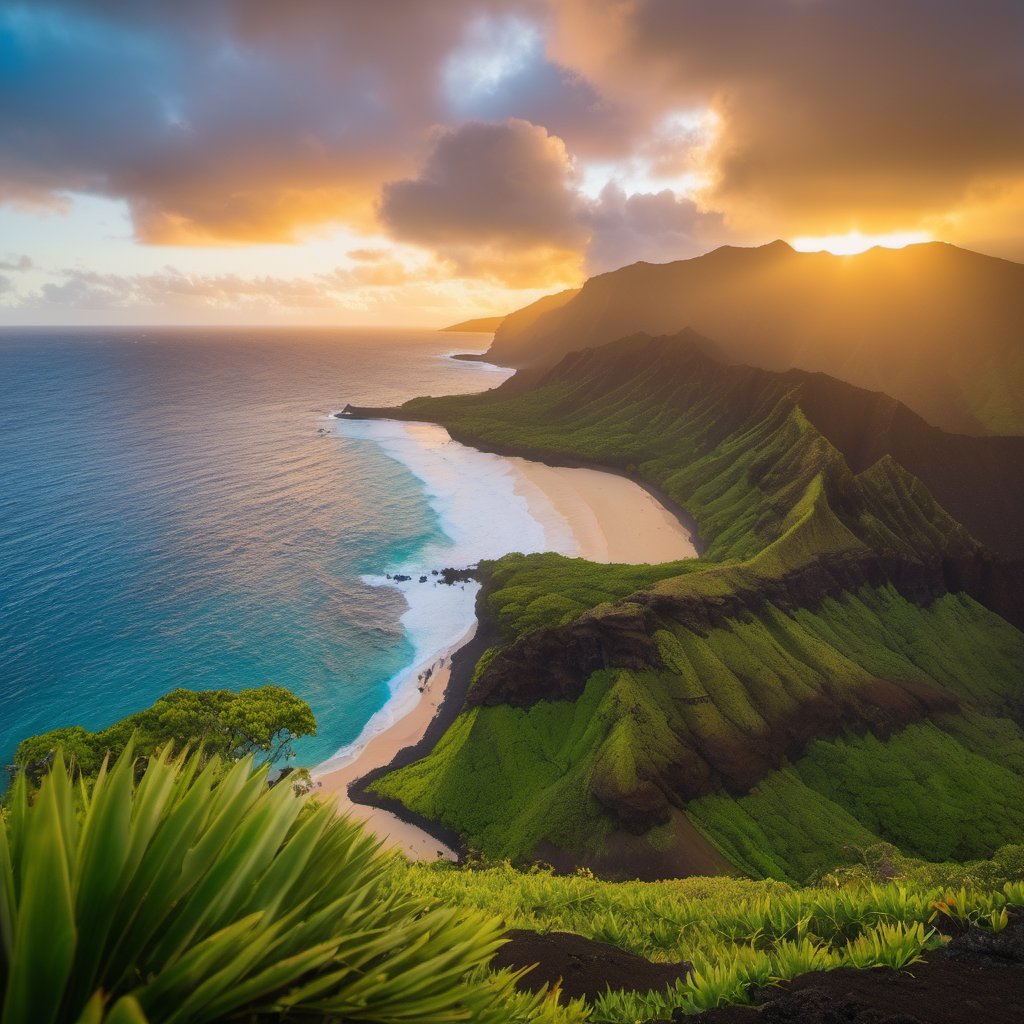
[(555, 663)]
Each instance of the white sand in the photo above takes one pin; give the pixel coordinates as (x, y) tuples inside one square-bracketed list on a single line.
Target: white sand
[(612, 519)]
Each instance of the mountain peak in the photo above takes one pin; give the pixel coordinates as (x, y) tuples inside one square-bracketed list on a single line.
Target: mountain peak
[(936, 326)]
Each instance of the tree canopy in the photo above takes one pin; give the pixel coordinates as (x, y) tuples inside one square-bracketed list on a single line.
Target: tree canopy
[(263, 721)]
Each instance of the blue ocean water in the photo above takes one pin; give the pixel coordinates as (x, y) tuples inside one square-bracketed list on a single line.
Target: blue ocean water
[(171, 516)]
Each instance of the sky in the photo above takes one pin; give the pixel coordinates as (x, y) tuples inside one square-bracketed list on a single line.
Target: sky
[(415, 162)]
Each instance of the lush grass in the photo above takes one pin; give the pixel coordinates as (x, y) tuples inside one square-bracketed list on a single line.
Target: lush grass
[(510, 778), (184, 894), (528, 592), (737, 933), (774, 502), (922, 790)]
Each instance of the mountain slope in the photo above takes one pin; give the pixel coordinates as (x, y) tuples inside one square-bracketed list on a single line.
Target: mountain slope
[(937, 327), (619, 707), (481, 324)]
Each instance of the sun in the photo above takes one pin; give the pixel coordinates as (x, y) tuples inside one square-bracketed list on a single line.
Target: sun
[(854, 242)]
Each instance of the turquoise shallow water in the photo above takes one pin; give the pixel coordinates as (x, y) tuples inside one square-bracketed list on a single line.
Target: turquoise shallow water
[(170, 516)]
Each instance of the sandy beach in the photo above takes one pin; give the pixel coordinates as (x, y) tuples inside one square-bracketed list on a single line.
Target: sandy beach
[(381, 750), (611, 519)]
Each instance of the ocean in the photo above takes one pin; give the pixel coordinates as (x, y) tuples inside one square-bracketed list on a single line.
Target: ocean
[(178, 509)]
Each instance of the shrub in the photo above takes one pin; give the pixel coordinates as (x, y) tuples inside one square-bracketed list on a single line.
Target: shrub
[(192, 895)]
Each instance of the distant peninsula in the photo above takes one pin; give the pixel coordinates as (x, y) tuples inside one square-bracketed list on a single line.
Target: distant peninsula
[(480, 323)]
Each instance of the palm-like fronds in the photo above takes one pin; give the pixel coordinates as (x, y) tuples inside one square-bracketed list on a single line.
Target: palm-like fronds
[(196, 894)]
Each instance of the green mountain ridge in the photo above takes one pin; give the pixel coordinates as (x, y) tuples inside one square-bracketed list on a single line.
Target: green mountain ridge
[(935, 326), (833, 615)]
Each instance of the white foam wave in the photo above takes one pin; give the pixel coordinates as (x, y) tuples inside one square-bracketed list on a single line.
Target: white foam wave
[(482, 516)]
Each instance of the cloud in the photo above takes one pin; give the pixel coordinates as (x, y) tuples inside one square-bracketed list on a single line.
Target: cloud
[(466, 127), (230, 121), (492, 198), (16, 263), (831, 112), (504, 200), (500, 69), (84, 289), (654, 227)]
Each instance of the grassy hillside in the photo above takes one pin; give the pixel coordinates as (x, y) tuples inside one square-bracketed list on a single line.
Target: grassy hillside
[(836, 617)]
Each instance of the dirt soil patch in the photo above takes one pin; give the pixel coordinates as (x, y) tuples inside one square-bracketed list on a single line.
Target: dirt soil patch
[(977, 979), (584, 967)]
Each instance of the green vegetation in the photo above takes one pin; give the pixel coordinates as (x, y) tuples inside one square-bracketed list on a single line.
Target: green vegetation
[(729, 444), (263, 722), (528, 592), (185, 892), (195, 895), (772, 689), (736, 932), (922, 790), (512, 778)]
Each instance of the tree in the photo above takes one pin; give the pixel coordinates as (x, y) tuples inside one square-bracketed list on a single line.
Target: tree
[(266, 721), (263, 722)]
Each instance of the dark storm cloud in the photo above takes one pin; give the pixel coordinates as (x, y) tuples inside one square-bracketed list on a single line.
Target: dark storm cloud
[(502, 198), (654, 227), (256, 120), (829, 108)]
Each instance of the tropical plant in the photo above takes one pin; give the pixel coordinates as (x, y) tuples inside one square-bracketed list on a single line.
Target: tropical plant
[(192, 894), (888, 945), (263, 721)]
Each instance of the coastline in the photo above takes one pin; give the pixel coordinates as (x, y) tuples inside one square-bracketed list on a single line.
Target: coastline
[(582, 511), (401, 742)]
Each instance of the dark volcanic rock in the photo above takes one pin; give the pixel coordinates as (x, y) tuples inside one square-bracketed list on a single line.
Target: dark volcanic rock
[(982, 946), (978, 979), (584, 967), (554, 664), (941, 991), (453, 576)]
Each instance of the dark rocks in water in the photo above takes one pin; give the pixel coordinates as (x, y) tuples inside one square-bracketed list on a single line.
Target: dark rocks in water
[(585, 968), (399, 578), (452, 576), (423, 579)]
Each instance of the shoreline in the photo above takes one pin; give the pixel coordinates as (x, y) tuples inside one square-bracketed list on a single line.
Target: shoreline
[(681, 515), (395, 746), (592, 520), (679, 512), (460, 678)]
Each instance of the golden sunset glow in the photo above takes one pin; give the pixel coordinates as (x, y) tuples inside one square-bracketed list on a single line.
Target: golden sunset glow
[(485, 152), (854, 242)]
